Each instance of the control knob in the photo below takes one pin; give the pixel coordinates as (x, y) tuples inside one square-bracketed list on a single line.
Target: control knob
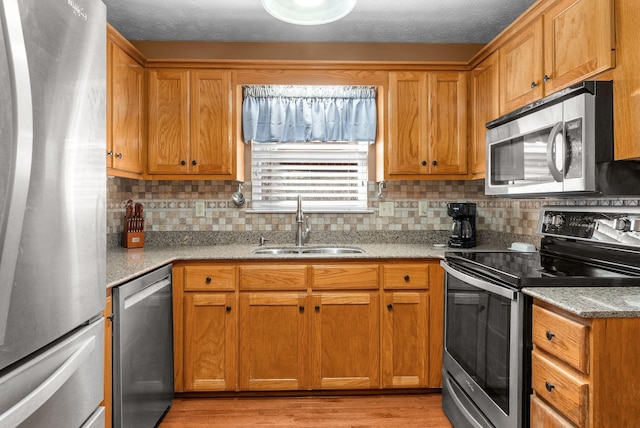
[(558, 220), (622, 224)]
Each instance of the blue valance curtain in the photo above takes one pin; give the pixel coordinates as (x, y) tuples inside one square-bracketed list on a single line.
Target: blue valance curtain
[(279, 113)]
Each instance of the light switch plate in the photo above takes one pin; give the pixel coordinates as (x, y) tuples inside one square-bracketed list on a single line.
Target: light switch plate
[(199, 209), (423, 208), (386, 209)]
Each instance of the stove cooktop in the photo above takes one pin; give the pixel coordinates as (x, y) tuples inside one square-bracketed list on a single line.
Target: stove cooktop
[(536, 270), (582, 246)]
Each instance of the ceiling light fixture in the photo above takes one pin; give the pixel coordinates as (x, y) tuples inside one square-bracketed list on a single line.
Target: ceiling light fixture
[(308, 12)]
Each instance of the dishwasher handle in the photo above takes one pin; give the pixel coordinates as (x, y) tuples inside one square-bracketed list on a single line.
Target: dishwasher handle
[(146, 292)]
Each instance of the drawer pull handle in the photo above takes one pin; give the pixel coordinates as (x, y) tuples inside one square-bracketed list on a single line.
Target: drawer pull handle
[(407, 278), (301, 308), (549, 386), (228, 308), (208, 280), (317, 308), (390, 306), (549, 335)]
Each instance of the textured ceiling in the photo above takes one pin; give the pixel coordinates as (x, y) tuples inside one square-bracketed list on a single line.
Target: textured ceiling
[(383, 21)]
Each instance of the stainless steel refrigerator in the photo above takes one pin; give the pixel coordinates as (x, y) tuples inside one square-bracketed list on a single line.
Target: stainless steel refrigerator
[(52, 212)]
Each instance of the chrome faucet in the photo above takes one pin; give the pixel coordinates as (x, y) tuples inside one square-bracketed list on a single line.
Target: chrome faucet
[(303, 224)]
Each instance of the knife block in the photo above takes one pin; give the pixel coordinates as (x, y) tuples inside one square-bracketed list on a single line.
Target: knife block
[(133, 239)]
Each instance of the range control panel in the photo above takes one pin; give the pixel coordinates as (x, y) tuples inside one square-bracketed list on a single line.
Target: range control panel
[(592, 223)]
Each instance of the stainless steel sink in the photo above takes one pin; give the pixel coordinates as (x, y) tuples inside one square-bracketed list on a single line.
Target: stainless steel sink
[(309, 250), (333, 250), (276, 251)]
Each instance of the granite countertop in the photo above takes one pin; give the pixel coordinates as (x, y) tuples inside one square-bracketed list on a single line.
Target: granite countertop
[(592, 302), (588, 302), (126, 264)]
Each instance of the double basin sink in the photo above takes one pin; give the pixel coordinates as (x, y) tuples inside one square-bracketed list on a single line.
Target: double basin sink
[(308, 250)]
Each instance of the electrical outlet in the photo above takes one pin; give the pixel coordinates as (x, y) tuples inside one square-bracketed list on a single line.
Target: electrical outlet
[(386, 209), (423, 208), (199, 209)]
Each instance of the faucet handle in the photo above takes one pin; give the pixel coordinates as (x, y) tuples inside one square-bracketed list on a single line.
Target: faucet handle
[(263, 240)]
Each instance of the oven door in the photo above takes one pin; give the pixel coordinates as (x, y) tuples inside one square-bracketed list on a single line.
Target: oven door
[(483, 367)]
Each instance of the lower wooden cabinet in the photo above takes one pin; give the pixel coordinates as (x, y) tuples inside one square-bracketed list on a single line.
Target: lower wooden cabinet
[(273, 341), (345, 350), (405, 339), (284, 326), (209, 342), (581, 371)]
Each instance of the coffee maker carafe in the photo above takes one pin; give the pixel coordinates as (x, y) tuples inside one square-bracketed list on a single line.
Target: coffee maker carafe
[(463, 229)]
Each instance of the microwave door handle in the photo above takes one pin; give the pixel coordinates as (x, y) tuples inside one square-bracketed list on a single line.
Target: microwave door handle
[(551, 144)]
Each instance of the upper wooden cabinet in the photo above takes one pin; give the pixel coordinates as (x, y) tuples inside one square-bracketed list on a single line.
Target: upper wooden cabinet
[(570, 42), (189, 124), (125, 109), (579, 41), (626, 84), (427, 125), (485, 104), (521, 68)]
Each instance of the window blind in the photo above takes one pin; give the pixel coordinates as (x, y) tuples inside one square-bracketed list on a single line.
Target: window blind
[(331, 177)]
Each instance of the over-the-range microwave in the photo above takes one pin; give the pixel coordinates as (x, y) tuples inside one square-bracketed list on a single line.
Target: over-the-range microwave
[(561, 145)]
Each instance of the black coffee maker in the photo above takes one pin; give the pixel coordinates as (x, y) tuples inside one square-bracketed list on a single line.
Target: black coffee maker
[(463, 229)]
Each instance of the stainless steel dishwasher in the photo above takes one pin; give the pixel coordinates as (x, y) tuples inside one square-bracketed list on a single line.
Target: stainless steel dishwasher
[(142, 350)]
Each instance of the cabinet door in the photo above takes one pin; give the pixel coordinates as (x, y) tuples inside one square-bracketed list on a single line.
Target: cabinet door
[(521, 69), (210, 144), (447, 149), (406, 151), (168, 122), (209, 342), (483, 107), (405, 339), (579, 41), (273, 341), (345, 340), (127, 114)]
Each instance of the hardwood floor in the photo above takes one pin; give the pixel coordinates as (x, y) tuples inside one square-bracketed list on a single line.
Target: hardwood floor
[(415, 410)]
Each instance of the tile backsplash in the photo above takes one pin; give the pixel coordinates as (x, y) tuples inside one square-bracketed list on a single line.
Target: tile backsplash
[(170, 207)]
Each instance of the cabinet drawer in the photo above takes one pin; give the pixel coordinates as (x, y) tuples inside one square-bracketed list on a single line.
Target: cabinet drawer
[(199, 278), (406, 276), (544, 416), (345, 276), (270, 277), (559, 387), (562, 337)]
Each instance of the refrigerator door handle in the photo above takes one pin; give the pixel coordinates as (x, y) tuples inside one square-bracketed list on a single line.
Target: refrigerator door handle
[(11, 226), (40, 395)]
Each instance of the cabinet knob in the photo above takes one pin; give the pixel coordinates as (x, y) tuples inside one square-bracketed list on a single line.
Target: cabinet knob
[(549, 335), (119, 155), (208, 280), (546, 78), (424, 163), (193, 162), (183, 162), (110, 153), (434, 163), (407, 278), (533, 85), (228, 308), (390, 306), (317, 308), (301, 308), (549, 386)]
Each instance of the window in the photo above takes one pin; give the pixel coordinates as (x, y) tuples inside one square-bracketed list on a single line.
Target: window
[(330, 177), (311, 141)]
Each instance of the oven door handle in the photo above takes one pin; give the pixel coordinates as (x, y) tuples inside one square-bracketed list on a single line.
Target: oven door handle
[(484, 285)]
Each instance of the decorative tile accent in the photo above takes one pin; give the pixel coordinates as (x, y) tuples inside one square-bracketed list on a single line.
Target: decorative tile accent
[(170, 207)]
